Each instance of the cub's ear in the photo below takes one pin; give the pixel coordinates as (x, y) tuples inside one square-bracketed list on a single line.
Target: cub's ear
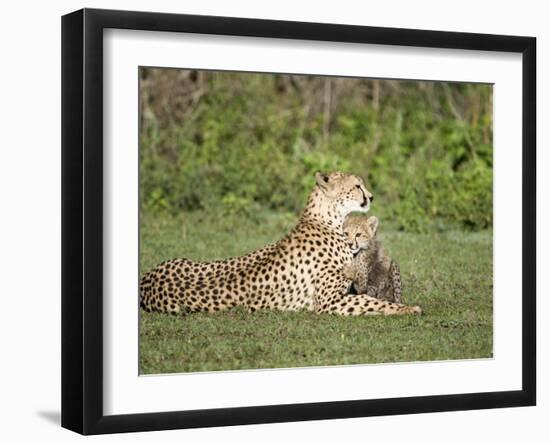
[(347, 221), (322, 180), (372, 223)]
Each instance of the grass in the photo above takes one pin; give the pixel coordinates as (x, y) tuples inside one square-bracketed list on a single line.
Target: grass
[(448, 274)]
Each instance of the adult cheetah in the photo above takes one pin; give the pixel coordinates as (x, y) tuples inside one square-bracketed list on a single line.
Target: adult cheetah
[(302, 270)]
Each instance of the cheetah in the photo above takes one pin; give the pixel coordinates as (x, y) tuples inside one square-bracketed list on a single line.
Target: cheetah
[(372, 270), (303, 270)]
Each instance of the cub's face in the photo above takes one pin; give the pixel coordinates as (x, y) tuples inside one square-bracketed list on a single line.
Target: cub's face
[(346, 191), (359, 232)]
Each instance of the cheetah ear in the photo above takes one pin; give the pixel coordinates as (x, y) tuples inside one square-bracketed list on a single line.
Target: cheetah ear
[(372, 223), (322, 180)]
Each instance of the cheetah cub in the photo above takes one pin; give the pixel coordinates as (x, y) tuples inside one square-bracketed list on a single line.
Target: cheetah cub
[(372, 270)]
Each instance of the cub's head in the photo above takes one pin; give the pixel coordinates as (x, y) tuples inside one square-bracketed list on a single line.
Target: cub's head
[(346, 192), (360, 232)]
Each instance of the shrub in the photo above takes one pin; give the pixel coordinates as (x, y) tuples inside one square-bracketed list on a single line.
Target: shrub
[(238, 142)]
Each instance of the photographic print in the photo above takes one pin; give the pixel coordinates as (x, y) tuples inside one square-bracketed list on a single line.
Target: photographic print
[(262, 220), (293, 221)]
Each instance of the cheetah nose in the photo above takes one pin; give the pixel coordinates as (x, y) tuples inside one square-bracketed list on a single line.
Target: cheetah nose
[(371, 198)]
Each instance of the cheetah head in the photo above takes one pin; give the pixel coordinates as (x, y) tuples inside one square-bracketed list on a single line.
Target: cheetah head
[(346, 192), (359, 232)]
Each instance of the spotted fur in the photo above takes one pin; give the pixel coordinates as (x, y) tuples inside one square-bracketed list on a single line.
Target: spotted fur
[(301, 271), (372, 270)]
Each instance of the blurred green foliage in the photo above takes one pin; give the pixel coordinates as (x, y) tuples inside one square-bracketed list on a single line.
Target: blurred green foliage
[(239, 142)]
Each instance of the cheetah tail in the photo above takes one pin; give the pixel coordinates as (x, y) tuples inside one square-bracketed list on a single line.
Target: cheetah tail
[(395, 275), (145, 292)]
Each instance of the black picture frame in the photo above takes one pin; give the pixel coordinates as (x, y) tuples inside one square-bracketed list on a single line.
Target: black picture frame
[(82, 219)]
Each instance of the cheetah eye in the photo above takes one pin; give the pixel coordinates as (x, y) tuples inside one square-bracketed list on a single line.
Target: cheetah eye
[(358, 234), (346, 233)]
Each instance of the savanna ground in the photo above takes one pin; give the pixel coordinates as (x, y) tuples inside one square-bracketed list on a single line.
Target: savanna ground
[(227, 160), (449, 274)]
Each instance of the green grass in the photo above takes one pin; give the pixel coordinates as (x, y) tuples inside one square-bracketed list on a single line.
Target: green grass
[(448, 274)]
